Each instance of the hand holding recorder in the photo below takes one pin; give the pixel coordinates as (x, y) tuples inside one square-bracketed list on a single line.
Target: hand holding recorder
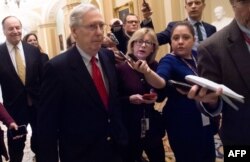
[(19, 132)]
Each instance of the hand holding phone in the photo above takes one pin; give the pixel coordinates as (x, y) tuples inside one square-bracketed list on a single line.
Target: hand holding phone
[(133, 57), (145, 6), (22, 130), (181, 85), (149, 96)]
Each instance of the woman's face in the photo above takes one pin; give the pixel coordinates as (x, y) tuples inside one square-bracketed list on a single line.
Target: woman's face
[(32, 40), (182, 41), (142, 48)]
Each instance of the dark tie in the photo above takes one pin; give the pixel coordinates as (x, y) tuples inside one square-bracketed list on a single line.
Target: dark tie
[(199, 34), (99, 83)]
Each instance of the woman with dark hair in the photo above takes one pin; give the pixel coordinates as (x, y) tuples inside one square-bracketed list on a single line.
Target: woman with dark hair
[(32, 39), (190, 132)]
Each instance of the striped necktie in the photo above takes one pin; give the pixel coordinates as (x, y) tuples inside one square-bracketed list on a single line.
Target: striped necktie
[(21, 71)]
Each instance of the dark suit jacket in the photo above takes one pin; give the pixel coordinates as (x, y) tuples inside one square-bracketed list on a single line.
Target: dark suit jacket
[(72, 113), (224, 58), (44, 58), (13, 91), (123, 38), (164, 36)]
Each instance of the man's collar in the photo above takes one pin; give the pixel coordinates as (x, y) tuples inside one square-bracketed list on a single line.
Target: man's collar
[(244, 29), (193, 21)]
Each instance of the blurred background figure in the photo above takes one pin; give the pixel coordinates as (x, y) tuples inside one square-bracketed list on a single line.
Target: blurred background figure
[(32, 39), (70, 41), (221, 19), (116, 24)]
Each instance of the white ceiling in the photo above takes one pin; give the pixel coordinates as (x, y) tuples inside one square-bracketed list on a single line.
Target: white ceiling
[(30, 12)]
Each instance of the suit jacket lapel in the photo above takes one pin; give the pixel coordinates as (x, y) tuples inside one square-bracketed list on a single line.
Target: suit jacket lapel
[(28, 62), (208, 28), (8, 64), (82, 75), (238, 50), (106, 66)]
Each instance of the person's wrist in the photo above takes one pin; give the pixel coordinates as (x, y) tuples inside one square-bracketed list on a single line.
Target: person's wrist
[(148, 71)]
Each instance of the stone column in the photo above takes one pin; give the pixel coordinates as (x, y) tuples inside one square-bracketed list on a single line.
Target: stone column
[(70, 4), (48, 38)]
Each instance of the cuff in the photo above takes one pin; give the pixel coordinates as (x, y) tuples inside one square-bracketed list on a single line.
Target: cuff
[(215, 112)]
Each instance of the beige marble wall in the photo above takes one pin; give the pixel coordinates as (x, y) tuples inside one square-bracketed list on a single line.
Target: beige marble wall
[(164, 11), (47, 33), (66, 10)]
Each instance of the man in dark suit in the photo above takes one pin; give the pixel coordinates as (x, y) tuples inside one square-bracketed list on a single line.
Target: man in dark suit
[(76, 122), (131, 23), (194, 9), (20, 82), (224, 58)]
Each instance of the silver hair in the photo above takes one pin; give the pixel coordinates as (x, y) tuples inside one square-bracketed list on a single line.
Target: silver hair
[(79, 11)]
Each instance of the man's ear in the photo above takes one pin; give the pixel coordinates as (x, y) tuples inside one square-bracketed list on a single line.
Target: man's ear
[(73, 32)]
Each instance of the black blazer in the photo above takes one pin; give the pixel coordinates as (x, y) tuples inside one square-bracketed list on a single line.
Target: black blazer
[(72, 113), (123, 38), (164, 36), (13, 91)]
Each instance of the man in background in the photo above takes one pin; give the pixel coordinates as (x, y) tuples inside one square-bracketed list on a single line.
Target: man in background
[(130, 24), (20, 73), (203, 30)]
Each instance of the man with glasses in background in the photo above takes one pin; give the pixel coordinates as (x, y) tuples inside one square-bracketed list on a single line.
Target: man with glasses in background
[(79, 117), (224, 58), (194, 9), (131, 23)]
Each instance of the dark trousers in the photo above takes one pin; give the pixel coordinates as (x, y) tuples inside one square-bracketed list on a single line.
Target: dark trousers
[(153, 147), (198, 147), (16, 147)]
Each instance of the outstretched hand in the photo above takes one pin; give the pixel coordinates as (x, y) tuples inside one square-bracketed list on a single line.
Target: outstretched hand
[(146, 10), (141, 66), (204, 95)]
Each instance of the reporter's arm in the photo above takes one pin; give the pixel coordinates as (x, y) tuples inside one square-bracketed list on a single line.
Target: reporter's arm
[(152, 77)]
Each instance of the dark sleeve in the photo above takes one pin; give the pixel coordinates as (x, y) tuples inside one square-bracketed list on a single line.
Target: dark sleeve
[(124, 99), (48, 114), (4, 116), (148, 24), (164, 37), (44, 58)]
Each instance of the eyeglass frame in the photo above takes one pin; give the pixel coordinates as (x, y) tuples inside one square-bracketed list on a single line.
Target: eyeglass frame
[(94, 26), (133, 21), (242, 1), (140, 42)]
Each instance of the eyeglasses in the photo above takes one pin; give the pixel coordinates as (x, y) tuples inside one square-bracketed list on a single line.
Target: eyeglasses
[(94, 27), (242, 1), (140, 42), (132, 21)]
